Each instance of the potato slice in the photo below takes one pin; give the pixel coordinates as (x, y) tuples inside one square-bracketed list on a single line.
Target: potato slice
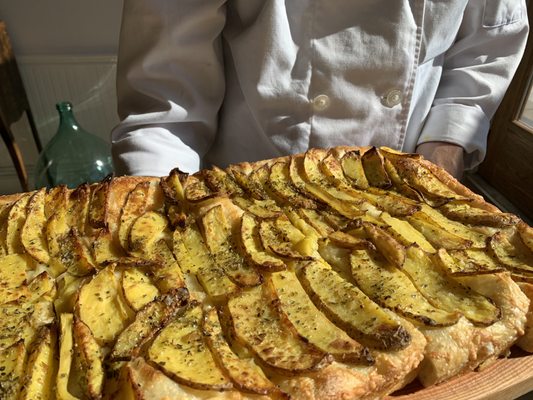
[(220, 182), (317, 221), (466, 214), (146, 231), (67, 285), (134, 207), (41, 367), (15, 323), (148, 321), (42, 288), (55, 198), (398, 183), (405, 233), (180, 351), (437, 235), (78, 207), (260, 208), (375, 173), (275, 240), (526, 234), (352, 166), (194, 258), (172, 186), (74, 254), (13, 277), (310, 323), (350, 309), (32, 235), (349, 241), (511, 251), (243, 372), (196, 190), (15, 221), (66, 350), (253, 248), (4, 212), (446, 293), (98, 208), (280, 183), (12, 362), (467, 262), (393, 251), (138, 289), (219, 241), (258, 325), (242, 175), (391, 288), (101, 307), (89, 359)]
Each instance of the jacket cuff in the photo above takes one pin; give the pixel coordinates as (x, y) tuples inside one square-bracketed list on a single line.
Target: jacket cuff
[(466, 126)]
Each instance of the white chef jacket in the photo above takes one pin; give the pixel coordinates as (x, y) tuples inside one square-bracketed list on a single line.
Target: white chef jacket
[(204, 82)]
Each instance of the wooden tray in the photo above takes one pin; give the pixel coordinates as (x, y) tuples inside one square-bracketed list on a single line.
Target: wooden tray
[(506, 379)]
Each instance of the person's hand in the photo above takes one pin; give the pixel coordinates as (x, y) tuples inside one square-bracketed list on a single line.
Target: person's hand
[(446, 155)]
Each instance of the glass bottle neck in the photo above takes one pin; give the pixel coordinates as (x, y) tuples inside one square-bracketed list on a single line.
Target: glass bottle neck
[(66, 116)]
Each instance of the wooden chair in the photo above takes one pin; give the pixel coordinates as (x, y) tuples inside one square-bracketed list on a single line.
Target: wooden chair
[(13, 105)]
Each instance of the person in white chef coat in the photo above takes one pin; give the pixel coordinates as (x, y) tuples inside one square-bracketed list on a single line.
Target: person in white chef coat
[(203, 82)]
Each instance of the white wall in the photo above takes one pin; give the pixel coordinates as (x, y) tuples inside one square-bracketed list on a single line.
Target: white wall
[(78, 36)]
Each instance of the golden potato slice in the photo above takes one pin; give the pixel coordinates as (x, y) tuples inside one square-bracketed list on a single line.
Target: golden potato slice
[(391, 288), (98, 208), (57, 228), (102, 308), (138, 288), (391, 249), (220, 182), (66, 350), (218, 239), (467, 214), (194, 258), (317, 221), (172, 186), (146, 324), (134, 207), (195, 189), (13, 277), (105, 250), (16, 323), (526, 234), (349, 241), (55, 198), (275, 240), (511, 251), (41, 367), (253, 248), (78, 207), (350, 309), (398, 183), (4, 212), (74, 254), (258, 325), (437, 235), (260, 208), (310, 323), (446, 293), (15, 221), (352, 166), (280, 184), (180, 351), (67, 287), (374, 169), (405, 233), (12, 362), (32, 235), (467, 262), (241, 173), (89, 359), (42, 288), (243, 372), (146, 231)]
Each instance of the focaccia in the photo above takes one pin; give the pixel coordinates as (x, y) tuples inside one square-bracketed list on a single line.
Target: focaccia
[(336, 274)]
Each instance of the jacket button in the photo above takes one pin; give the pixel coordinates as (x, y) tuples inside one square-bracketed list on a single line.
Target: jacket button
[(321, 102), (393, 98)]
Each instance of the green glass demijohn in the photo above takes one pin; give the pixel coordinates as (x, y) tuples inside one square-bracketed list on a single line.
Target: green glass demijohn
[(73, 156)]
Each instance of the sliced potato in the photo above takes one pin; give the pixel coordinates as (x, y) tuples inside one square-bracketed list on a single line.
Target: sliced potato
[(253, 248), (352, 167), (41, 367), (350, 309), (317, 221), (32, 235), (67, 285), (102, 308), (42, 288), (89, 357), (15, 222), (280, 183), (391, 288), (66, 350), (146, 231), (405, 233), (310, 323), (375, 173), (138, 289), (437, 235), (349, 241), (243, 372), (260, 208), (467, 214), (105, 250), (219, 241), (15, 323), (467, 262), (172, 186), (193, 257), (511, 252), (12, 362), (242, 175), (74, 254), (98, 207), (526, 234), (13, 277), (446, 293), (275, 240), (398, 183), (78, 207), (134, 207), (393, 251), (195, 189), (258, 325), (220, 182), (148, 321), (180, 351), (4, 212)]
